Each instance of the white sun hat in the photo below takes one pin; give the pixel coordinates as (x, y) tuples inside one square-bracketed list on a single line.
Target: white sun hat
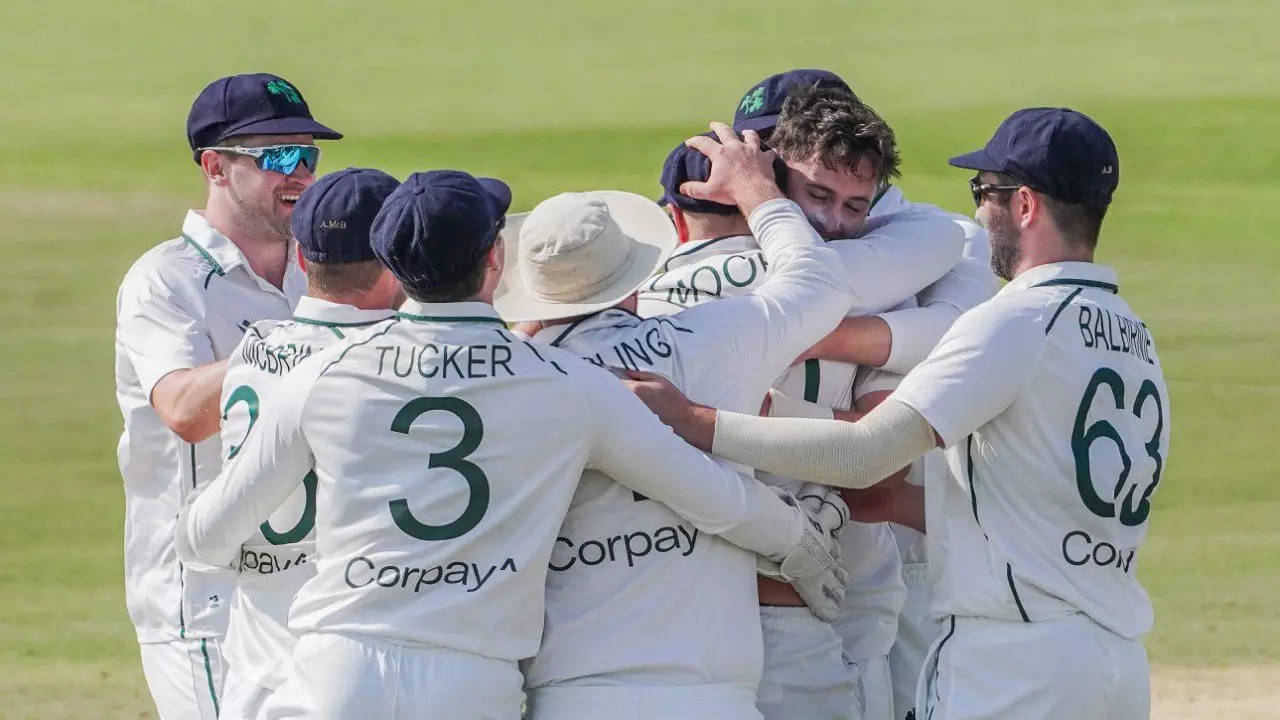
[(578, 253)]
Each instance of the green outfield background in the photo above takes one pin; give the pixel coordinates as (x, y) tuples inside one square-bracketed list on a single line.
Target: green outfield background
[(560, 95)]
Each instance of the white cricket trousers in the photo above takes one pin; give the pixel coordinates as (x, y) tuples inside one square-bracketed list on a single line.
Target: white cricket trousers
[(185, 677), (917, 631), (339, 676), (1065, 669), (805, 671), (877, 687), (622, 702), (243, 699)]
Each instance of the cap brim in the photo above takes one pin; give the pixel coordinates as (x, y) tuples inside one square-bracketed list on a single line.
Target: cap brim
[(976, 160), (285, 126), (759, 123), (499, 191), (638, 217)]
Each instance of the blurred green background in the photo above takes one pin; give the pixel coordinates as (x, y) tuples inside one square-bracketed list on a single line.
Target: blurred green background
[(560, 95)]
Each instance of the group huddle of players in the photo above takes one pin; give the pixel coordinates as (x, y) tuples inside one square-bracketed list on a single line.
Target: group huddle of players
[(391, 450)]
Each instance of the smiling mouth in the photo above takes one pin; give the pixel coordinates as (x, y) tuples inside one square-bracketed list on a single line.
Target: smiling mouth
[(288, 199)]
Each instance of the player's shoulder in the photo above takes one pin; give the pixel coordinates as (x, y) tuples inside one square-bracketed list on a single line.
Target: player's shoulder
[(1013, 311), (170, 266)]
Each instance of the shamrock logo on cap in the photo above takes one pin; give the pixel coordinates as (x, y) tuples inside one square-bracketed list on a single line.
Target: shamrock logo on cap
[(752, 101), (280, 87)]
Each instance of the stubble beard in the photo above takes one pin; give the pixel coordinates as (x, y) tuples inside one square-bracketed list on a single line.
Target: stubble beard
[(261, 221)]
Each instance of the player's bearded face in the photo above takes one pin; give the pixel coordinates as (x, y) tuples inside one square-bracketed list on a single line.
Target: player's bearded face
[(1005, 235), (265, 199)]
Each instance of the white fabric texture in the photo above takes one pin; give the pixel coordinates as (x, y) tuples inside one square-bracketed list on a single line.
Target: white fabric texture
[(1063, 669), (185, 678), (619, 557), (633, 702), (410, 552), (337, 677), (184, 303), (806, 674)]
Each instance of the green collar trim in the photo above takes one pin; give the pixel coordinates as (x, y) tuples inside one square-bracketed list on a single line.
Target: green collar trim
[(326, 323), (217, 269), (1109, 287), (449, 318)]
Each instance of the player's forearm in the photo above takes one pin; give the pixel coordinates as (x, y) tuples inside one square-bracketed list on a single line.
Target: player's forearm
[(915, 332), (250, 487), (712, 497), (863, 340), (854, 455), (898, 259), (806, 292), (187, 400), (753, 194)]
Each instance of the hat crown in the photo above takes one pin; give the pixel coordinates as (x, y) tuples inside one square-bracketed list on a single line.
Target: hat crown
[(333, 217), (571, 247)]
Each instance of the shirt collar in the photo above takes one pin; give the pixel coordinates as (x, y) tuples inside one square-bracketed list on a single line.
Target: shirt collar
[(556, 335), (1085, 274), (314, 311), (454, 312), (213, 246), (722, 245), (890, 201)]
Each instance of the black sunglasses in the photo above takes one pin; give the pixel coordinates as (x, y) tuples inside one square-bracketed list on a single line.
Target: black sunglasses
[(980, 189)]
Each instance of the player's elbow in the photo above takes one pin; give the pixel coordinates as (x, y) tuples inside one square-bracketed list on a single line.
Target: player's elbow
[(192, 426)]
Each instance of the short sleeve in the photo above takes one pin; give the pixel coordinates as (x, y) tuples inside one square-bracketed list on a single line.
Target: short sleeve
[(159, 330), (978, 368)]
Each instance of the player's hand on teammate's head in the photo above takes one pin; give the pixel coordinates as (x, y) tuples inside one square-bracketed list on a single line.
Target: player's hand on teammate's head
[(741, 169)]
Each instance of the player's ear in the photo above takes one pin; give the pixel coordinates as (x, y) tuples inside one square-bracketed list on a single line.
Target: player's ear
[(214, 166), (1025, 206)]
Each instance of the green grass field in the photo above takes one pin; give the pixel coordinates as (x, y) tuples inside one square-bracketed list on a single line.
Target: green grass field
[(570, 96)]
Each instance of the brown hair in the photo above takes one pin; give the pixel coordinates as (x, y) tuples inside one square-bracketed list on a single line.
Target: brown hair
[(837, 129)]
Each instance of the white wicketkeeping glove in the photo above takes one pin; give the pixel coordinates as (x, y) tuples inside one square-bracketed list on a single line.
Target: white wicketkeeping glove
[(812, 566)]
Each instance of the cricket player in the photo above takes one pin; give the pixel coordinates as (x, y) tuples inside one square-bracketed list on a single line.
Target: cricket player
[(1052, 404), (792, 107), (446, 451), (347, 289), (181, 310), (806, 672), (600, 656)]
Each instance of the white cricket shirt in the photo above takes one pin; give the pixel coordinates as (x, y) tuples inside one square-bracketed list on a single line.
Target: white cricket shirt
[(280, 555), (1052, 403), (900, 254), (446, 451), (636, 595), (916, 330), (184, 303)]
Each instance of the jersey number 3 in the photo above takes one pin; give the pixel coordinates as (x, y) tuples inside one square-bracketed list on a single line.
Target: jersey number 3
[(1082, 437), (453, 459)]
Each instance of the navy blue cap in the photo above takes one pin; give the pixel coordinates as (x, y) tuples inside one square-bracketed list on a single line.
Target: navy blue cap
[(685, 164), (762, 104), (251, 104), (332, 218), (1057, 151), (437, 225)]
